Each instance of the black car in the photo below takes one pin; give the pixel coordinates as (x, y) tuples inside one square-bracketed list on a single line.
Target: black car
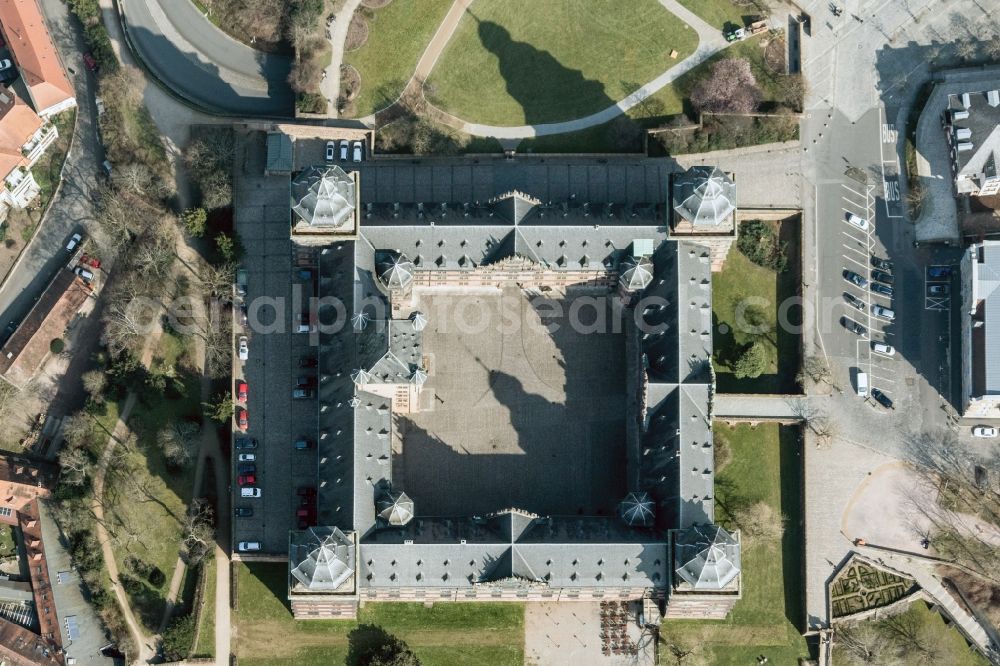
[(880, 288), (243, 314), (854, 327), (939, 271), (855, 279), (243, 512), (854, 301), (307, 362), (882, 398), (883, 264), (881, 276), (247, 468), (305, 382), (246, 443)]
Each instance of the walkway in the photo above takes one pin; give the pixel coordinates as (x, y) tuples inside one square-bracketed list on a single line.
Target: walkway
[(710, 42), (751, 407), (337, 33), (202, 64)]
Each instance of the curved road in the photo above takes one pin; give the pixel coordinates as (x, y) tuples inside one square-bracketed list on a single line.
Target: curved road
[(204, 65)]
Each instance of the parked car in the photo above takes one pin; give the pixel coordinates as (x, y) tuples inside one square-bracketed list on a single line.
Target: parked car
[(73, 242), (243, 443), (246, 479), (884, 349), (854, 327), (859, 222), (84, 273), (306, 491), (986, 432), (855, 279), (249, 492), (241, 281), (939, 271), (6, 64), (331, 149), (938, 290), (241, 391), (302, 394), (883, 289), (248, 546), (883, 277), (301, 444), (243, 315), (307, 362), (93, 262), (344, 147), (247, 457), (106, 168), (881, 398), (243, 512), (885, 313), (246, 468), (305, 382), (303, 325), (854, 301), (357, 151), (244, 348), (90, 61), (883, 264), (242, 418)]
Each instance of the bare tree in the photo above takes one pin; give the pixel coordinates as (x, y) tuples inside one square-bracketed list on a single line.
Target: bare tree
[(863, 644), (179, 442), (815, 369), (966, 49), (198, 531), (75, 466), (730, 88), (759, 523), (216, 281), (78, 430), (95, 382), (992, 46)]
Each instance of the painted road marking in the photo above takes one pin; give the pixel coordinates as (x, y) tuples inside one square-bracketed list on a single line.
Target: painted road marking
[(889, 133)]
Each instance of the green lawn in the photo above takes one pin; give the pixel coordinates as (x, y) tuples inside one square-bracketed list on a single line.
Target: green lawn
[(748, 293), (765, 466), (397, 36), (7, 545), (513, 62), (152, 499), (719, 12), (948, 645), (487, 634), (48, 168), (206, 632)]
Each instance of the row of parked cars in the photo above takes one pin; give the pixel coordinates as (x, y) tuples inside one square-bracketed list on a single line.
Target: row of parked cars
[(356, 149)]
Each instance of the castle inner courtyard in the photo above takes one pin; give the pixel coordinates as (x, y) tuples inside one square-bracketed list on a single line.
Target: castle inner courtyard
[(512, 414)]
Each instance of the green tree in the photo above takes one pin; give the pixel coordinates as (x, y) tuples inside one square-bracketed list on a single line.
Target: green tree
[(393, 652), (195, 220), (57, 346), (220, 409), (178, 638), (752, 362)]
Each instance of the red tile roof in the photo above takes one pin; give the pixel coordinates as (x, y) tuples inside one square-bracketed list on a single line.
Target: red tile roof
[(35, 54)]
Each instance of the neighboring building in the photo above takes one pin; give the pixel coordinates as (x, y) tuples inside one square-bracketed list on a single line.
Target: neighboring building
[(389, 230), (34, 53), (23, 353), (704, 210), (23, 139), (980, 326), (972, 127), (280, 154), (706, 576)]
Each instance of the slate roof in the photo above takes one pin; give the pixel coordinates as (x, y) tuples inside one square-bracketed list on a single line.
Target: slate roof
[(988, 290), (280, 156), (324, 197), (322, 559), (981, 131)]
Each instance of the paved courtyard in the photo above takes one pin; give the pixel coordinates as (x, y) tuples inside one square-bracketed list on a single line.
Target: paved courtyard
[(516, 416), (570, 633)]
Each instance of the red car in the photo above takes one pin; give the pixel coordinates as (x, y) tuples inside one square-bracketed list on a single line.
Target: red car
[(94, 262), (89, 61), (242, 419), (246, 479), (241, 391)]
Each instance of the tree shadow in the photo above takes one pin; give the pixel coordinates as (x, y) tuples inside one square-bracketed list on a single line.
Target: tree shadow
[(369, 643), (793, 539), (546, 90)]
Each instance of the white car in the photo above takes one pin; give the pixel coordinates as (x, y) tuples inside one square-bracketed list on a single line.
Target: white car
[(248, 546), (250, 491), (5, 65), (884, 349), (330, 147), (859, 222), (885, 313), (357, 152), (74, 240), (986, 432), (244, 348), (247, 457), (344, 147)]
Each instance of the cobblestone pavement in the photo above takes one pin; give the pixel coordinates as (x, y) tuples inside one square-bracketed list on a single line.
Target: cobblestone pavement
[(569, 633)]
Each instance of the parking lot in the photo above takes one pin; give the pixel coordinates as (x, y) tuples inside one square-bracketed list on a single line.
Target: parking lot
[(277, 292)]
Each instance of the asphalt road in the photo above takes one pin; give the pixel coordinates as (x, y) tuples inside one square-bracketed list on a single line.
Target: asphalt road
[(205, 66), (72, 210)]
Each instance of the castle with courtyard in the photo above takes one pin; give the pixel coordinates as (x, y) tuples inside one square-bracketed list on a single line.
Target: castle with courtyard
[(519, 405)]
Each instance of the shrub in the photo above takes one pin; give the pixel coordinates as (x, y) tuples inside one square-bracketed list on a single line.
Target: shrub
[(194, 221), (752, 362), (730, 88), (759, 242), (57, 346), (311, 102), (179, 638)]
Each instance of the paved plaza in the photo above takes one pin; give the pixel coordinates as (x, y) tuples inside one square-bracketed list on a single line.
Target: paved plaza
[(516, 416)]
